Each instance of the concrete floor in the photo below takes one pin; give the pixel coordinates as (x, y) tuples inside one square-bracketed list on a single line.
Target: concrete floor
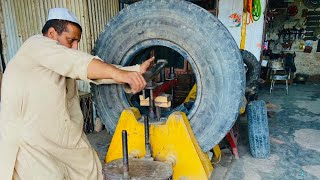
[(294, 128)]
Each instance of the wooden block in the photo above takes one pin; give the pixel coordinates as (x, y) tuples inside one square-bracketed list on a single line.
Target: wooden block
[(163, 104), (160, 101), (144, 101), (163, 98)]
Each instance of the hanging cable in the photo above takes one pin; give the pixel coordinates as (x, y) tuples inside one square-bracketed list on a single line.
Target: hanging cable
[(256, 10)]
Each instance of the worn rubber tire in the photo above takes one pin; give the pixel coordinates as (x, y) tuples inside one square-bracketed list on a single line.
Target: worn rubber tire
[(254, 68), (258, 128), (312, 4), (195, 34)]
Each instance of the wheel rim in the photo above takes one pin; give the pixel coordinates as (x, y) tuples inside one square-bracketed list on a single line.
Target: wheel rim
[(134, 50)]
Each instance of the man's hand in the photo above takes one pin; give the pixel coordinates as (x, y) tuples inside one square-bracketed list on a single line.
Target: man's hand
[(145, 65), (134, 79), (101, 70)]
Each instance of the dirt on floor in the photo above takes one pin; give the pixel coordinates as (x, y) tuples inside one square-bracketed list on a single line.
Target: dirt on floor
[(294, 125)]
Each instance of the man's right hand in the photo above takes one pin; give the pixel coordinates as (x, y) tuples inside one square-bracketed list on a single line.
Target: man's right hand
[(134, 79), (100, 70)]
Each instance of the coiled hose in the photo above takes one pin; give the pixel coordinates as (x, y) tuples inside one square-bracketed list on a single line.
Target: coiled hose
[(256, 10)]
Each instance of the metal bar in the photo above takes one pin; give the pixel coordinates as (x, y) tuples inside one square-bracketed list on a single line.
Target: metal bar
[(151, 105), (172, 75), (163, 75), (155, 70), (233, 143), (30, 24), (99, 18), (125, 155), (158, 113), (146, 134)]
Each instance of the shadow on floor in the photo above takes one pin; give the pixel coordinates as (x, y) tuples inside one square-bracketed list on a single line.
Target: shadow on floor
[(294, 132)]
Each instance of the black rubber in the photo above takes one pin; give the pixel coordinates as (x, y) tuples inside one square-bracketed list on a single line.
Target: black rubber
[(259, 139), (252, 75), (254, 68), (128, 1), (312, 4), (199, 37)]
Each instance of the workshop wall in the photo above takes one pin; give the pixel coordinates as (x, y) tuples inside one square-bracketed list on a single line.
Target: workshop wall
[(230, 14), (20, 19), (306, 63)]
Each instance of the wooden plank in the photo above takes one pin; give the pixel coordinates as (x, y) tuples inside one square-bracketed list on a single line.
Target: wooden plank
[(311, 28), (313, 18), (309, 33), (311, 24), (313, 13), (138, 169), (310, 38)]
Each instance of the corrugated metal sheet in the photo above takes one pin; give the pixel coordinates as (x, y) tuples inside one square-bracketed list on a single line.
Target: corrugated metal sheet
[(24, 18)]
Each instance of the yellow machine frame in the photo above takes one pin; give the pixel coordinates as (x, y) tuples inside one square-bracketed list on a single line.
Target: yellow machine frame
[(172, 142)]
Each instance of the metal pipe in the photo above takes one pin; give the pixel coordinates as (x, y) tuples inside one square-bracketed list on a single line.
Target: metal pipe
[(173, 94), (151, 105), (125, 155), (146, 134), (172, 75), (163, 75), (158, 113)]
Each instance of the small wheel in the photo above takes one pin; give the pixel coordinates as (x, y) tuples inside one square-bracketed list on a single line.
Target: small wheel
[(259, 139)]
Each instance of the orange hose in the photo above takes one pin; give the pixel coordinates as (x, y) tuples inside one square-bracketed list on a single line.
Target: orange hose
[(250, 11)]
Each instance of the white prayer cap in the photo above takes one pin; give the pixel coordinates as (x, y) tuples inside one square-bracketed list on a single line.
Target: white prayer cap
[(63, 14)]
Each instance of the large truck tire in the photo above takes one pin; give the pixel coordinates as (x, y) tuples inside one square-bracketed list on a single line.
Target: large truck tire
[(258, 129), (200, 38)]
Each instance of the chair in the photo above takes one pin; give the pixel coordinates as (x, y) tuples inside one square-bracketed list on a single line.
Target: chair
[(279, 73)]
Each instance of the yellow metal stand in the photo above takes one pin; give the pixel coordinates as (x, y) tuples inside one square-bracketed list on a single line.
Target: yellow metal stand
[(172, 142)]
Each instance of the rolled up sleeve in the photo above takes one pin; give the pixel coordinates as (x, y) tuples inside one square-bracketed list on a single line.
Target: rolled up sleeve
[(67, 62), (62, 60), (135, 68)]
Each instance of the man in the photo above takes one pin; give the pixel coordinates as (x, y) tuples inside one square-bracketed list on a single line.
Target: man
[(41, 121)]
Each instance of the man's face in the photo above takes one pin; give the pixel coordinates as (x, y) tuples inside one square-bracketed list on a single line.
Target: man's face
[(70, 37)]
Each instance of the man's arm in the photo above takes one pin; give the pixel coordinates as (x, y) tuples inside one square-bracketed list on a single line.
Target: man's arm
[(101, 70)]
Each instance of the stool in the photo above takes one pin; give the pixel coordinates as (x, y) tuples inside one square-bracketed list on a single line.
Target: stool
[(279, 77), (278, 72)]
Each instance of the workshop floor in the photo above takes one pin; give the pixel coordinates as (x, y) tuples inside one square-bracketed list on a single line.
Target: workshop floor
[(294, 128)]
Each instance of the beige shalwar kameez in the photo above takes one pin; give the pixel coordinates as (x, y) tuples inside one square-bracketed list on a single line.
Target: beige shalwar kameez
[(41, 123)]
